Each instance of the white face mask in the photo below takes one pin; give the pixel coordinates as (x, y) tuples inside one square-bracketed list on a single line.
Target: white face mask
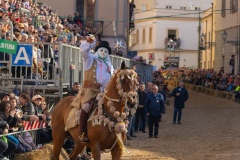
[(102, 52)]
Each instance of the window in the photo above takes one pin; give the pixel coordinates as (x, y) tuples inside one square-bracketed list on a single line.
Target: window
[(223, 8), (168, 7), (137, 37), (183, 8), (150, 35), (197, 8), (172, 34), (133, 39), (144, 7), (143, 36), (233, 6)]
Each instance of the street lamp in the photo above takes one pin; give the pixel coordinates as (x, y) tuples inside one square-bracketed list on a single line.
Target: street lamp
[(171, 47), (224, 35)]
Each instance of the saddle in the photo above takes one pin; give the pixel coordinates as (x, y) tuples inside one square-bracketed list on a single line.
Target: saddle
[(74, 115)]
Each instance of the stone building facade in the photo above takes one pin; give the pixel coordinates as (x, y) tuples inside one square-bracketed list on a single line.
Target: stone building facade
[(168, 19), (227, 20)]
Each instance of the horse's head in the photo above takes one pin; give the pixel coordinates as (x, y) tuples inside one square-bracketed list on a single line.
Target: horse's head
[(118, 99), (127, 85)]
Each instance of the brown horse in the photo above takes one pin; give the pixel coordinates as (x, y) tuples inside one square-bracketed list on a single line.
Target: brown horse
[(108, 122)]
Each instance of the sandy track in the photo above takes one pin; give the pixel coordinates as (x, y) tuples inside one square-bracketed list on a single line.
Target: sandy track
[(209, 131)]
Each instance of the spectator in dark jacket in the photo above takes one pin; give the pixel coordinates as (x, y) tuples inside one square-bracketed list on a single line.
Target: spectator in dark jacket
[(3, 127), (74, 90), (162, 92), (3, 130), (154, 109), (37, 101), (8, 115), (6, 147), (27, 108), (181, 96), (4, 97), (141, 113)]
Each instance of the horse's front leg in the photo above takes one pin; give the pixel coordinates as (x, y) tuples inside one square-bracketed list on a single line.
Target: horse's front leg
[(96, 151), (116, 153)]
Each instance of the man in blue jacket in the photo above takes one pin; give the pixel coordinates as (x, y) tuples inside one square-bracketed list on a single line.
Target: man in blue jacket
[(181, 95), (154, 109)]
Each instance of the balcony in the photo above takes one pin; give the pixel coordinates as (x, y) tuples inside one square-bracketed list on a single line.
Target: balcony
[(172, 44)]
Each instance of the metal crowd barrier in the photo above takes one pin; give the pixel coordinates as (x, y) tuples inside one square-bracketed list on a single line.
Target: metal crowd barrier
[(70, 62), (33, 132), (116, 61), (143, 70), (56, 67)]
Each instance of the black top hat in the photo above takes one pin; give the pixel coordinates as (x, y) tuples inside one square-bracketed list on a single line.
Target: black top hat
[(104, 44)]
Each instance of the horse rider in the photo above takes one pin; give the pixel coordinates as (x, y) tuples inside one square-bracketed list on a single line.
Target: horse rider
[(98, 70)]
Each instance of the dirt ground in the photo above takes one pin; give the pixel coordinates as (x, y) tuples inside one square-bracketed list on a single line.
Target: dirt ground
[(209, 131)]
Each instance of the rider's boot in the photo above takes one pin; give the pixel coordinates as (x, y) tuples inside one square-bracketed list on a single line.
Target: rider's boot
[(83, 124)]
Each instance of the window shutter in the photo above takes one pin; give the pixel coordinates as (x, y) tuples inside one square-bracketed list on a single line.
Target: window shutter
[(223, 8), (235, 5)]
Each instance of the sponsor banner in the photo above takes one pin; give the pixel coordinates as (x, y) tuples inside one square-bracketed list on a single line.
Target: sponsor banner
[(172, 59), (8, 46)]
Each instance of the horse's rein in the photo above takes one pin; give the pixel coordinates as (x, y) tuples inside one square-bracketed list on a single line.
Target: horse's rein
[(110, 99), (115, 117)]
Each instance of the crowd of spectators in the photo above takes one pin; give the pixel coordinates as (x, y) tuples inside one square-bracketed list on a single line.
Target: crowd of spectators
[(34, 22), (14, 111), (205, 77), (209, 78), (38, 23)]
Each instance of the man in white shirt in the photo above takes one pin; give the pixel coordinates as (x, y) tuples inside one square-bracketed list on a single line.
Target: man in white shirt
[(98, 70)]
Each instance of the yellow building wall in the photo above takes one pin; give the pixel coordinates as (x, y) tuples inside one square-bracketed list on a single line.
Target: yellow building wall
[(64, 7), (150, 4)]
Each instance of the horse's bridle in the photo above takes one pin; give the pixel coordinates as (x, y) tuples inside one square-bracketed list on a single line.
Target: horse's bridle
[(115, 117), (125, 95)]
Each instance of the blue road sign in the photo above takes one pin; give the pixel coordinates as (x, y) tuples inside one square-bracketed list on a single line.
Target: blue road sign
[(24, 56)]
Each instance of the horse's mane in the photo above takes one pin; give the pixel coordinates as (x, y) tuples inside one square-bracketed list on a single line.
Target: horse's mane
[(111, 79), (122, 71)]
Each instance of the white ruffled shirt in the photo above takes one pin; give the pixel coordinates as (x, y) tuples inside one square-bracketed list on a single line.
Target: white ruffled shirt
[(102, 72)]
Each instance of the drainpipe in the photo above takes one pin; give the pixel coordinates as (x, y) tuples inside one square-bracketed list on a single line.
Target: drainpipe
[(211, 61), (199, 36)]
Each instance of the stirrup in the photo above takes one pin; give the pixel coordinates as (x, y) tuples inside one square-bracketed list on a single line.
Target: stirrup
[(82, 138)]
